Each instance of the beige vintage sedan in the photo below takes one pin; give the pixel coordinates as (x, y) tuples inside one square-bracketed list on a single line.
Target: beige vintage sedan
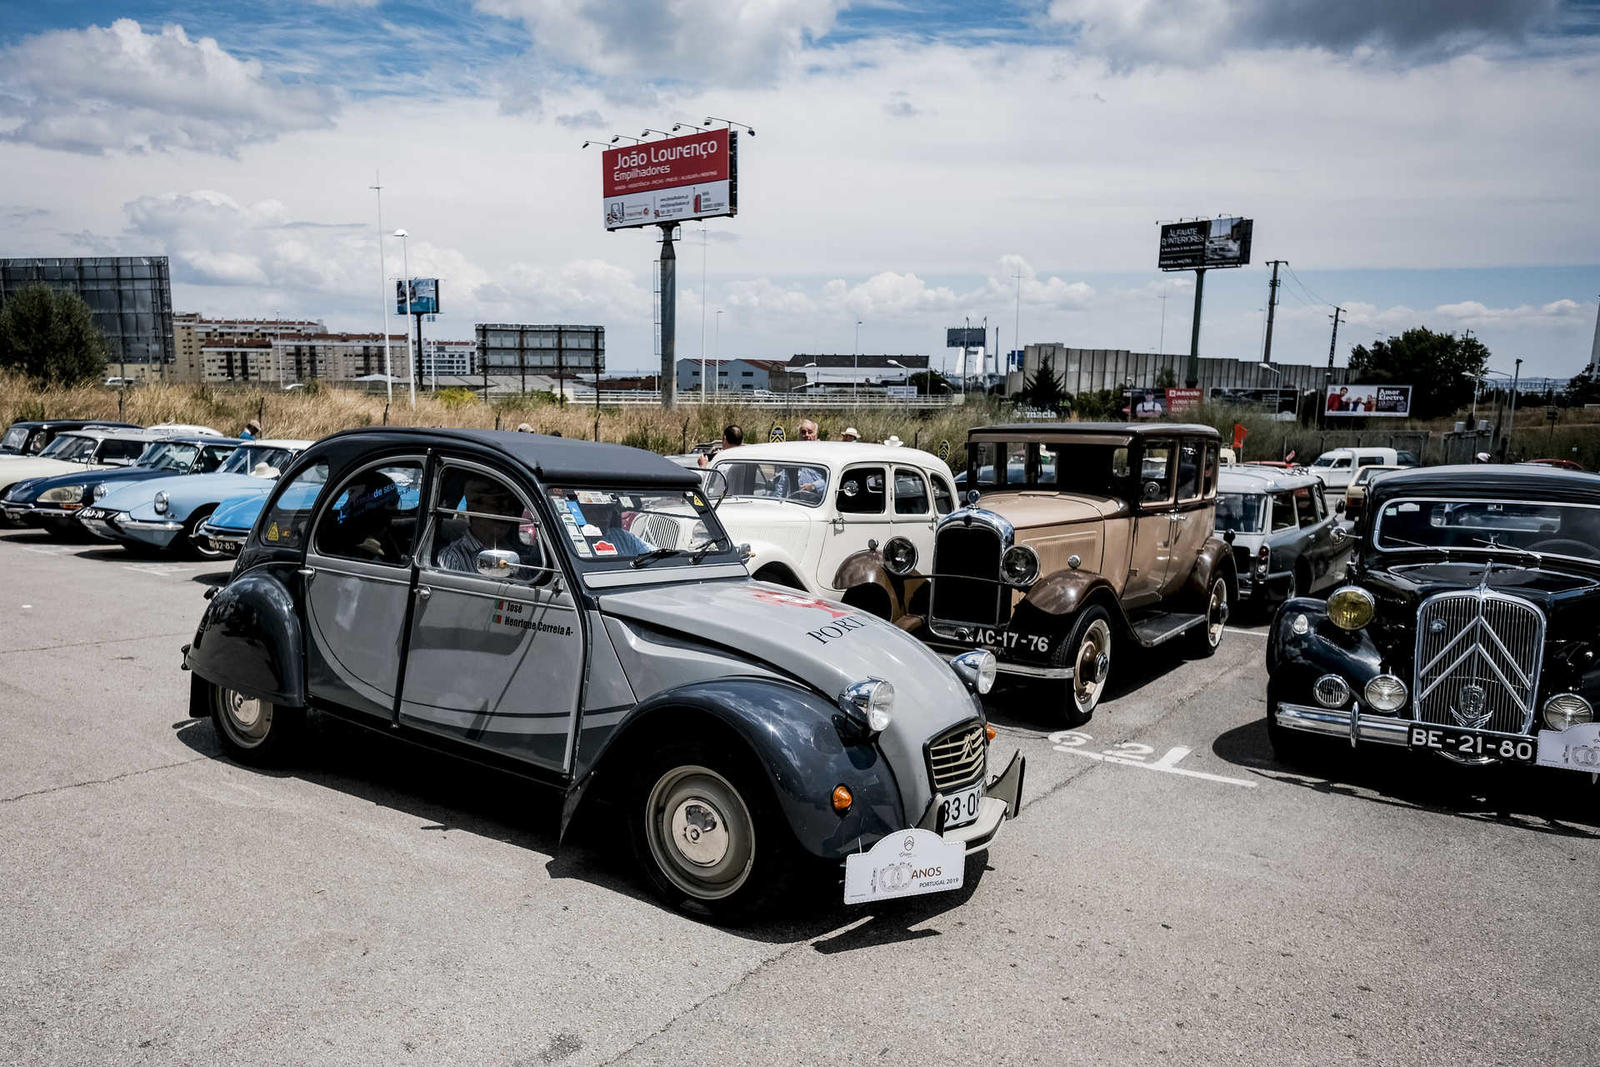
[(1074, 538)]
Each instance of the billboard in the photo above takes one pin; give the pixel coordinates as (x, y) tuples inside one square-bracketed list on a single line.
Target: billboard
[(424, 297), (680, 178), (1274, 400), (966, 337), (1354, 401), (552, 350), (1205, 243), (1158, 403)]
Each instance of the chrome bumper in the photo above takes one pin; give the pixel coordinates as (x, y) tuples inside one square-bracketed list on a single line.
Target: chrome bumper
[(1019, 670), (1002, 797), (221, 542), (1347, 723)]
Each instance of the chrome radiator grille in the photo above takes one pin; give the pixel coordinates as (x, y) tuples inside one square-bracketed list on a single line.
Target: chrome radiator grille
[(956, 758), (960, 551), (1477, 663)]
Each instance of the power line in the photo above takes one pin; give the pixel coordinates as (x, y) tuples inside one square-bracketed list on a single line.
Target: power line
[(1308, 289)]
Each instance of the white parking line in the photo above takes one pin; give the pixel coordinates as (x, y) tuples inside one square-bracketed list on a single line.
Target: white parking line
[(1134, 754)]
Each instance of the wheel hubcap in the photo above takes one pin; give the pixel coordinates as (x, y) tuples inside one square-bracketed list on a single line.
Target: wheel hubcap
[(1217, 611), (1093, 663), (247, 720), (700, 832)]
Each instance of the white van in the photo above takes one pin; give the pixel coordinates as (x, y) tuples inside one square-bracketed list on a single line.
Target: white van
[(1337, 467)]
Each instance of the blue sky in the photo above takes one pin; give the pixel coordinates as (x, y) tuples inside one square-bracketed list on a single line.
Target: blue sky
[(1432, 163)]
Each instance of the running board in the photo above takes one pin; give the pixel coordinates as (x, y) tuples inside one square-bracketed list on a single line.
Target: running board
[(1158, 629)]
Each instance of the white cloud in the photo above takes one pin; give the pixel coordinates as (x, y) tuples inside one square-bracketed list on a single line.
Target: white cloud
[(120, 89), (694, 41)]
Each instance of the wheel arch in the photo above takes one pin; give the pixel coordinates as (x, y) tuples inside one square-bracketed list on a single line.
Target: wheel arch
[(250, 640)]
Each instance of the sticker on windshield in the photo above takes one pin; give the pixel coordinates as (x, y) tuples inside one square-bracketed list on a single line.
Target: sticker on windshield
[(589, 496), (591, 530), (573, 535), (272, 532), (604, 548)]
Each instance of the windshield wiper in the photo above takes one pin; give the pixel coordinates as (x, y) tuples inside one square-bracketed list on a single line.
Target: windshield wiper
[(697, 553)]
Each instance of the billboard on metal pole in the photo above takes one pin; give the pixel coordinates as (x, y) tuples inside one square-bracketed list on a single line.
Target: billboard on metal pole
[(526, 348), (1358, 401), (1157, 403), (1205, 243), (966, 337), (424, 297), (673, 180)]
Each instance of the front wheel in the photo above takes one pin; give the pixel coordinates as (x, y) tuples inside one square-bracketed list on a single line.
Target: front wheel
[(253, 731), (190, 543), (1088, 652), (1207, 636), (707, 834)]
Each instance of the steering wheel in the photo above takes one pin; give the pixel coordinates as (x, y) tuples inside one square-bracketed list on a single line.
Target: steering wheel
[(1565, 546)]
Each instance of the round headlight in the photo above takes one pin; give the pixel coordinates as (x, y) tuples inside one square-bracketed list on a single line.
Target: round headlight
[(899, 555), (976, 668), (1567, 709), (161, 503), (871, 702), (1386, 693), (1331, 691), (1019, 566), (96, 492), (1351, 607)]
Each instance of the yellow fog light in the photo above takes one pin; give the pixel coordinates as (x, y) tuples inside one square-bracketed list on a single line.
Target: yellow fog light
[(1351, 607), (842, 799)]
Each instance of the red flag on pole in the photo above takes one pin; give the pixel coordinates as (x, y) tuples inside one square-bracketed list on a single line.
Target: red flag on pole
[(1239, 434)]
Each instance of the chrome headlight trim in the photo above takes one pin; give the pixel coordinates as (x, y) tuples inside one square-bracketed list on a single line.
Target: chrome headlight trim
[(162, 502), (977, 669), (1354, 609), (870, 703), (899, 556), (1331, 691), (1386, 693), (1567, 709), (1019, 566)]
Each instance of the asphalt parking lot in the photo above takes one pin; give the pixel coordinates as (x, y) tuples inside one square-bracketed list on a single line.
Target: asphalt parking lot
[(1169, 893)]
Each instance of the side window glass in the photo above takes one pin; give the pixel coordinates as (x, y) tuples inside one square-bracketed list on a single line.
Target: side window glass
[(1016, 468), (373, 516), (475, 513), (862, 491), (1320, 502), (120, 450), (284, 525), (1306, 510), (1155, 472), (910, 492), (1191, 457), (1210, 487), (1342, 463), (1282, 512), (211, 458), (944, 498)]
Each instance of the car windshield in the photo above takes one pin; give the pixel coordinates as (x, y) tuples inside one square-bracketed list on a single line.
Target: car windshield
[(1518, 527), (1328, 459), (1240, 512), (70, 447), (168, 456), (798, 482), (14, 439), (247, 458), (665, 527)]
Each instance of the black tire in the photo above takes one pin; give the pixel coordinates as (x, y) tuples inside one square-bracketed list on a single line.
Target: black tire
[(1087, 650), (1204, 639), (188, 545), (779, 575), (254, 732), (707, 833)]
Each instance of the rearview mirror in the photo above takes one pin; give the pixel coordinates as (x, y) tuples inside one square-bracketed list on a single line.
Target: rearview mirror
[(497, 563)]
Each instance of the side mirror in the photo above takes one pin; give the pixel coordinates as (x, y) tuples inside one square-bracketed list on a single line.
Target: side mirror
[(497, 563), (715, 485), (1340, 534)]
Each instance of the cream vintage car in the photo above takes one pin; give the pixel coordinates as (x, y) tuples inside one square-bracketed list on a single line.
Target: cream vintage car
[(1074, 538), (805, 507)]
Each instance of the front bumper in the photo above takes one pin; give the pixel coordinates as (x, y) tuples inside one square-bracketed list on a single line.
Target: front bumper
[(1346, 723), (228, 542), (1002, 798), (119, 526)]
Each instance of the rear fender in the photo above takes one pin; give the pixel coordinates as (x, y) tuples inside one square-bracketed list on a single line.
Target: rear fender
[(1214, 559), (788, 730), (250, 639)]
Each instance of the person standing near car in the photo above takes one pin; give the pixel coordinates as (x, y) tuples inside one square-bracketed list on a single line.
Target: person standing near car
[(251, 431), (732, 437), (798, 481)]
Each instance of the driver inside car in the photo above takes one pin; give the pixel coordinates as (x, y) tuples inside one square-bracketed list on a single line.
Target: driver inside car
[(491, 524)]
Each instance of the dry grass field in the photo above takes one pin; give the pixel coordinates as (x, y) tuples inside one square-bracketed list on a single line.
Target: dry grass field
[(308, 414)]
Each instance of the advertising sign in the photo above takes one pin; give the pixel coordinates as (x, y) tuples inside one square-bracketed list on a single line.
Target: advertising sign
[(424, 297), (1157, 403), (1388, 401), (528, 348), (1270, 399), (1205, 243), (900, 392), (691, 177), (966, 337)]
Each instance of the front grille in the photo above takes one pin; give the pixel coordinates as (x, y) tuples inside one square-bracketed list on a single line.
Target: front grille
[(956, 758), (1477, 661), (966, 565)]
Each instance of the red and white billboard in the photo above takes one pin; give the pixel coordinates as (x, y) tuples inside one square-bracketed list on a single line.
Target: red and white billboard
[(692, 177)]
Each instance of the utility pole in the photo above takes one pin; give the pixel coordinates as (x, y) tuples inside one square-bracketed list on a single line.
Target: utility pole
[(1334, 342), (1191, 377), (1272, 306), (1511, 416)]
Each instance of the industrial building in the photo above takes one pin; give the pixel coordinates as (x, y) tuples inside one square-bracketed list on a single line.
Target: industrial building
[(738, 375), (129, 298), (1092, 369)]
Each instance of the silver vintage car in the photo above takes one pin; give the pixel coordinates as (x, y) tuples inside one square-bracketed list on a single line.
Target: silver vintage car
[(1282, 533), (532, 603)]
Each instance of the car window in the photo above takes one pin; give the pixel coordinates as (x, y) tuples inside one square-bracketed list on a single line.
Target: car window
[(1405, 459), (944, 497), (285, 523), (14, 438), (798, 483), (212, 457), (1155, 472), (71, 447), (861, 491), (910, 492), (1368, 461), (1210, 486), (114, 449), (1240, 512), (1303, 506), (1342, 463), (1283, 515), (373, 516), (1191, 460), (475, 512), (1320, 501)]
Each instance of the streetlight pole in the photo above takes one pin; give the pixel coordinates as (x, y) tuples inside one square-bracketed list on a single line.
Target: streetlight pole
[(388, 372), (1511, 417), (405, 285), (855, 365), (703, 240)]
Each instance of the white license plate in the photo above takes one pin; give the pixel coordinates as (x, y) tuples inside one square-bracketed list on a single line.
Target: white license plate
[(1577, 748), (962, 808)]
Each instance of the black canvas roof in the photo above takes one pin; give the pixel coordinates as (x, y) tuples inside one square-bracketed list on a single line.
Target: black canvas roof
[(551, 458), (1503, 481)]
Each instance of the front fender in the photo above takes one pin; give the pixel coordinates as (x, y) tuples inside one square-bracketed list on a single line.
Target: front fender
[(250, 639), (791, 732), (862, 576), (1063, 593), (1295, 661), (764, 553)]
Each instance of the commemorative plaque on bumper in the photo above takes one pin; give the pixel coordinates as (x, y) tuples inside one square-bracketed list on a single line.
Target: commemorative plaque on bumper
[(904, 864)]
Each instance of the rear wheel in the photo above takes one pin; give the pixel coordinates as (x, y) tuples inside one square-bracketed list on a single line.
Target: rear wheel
[(1204, 639), (707, 833), (1087, 650), (253, 731)]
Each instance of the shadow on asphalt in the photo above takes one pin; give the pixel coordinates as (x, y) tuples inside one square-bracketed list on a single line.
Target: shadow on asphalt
[(1539, 799), (447, 794)]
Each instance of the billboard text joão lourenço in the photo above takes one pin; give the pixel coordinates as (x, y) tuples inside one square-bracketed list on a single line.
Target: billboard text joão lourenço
[(673, 180)]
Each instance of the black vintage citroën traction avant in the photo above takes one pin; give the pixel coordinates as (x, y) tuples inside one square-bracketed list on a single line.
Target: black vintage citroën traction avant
[(1468, 625)]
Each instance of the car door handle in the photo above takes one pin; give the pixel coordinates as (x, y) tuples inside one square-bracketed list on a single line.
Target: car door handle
[(838, 526), (423, 592), (306, 572)]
